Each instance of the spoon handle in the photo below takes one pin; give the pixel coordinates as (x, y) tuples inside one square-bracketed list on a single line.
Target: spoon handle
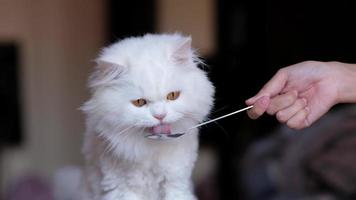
[(227, 115)]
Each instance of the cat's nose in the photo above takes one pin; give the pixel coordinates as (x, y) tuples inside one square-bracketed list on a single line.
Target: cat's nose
[(159, 116)]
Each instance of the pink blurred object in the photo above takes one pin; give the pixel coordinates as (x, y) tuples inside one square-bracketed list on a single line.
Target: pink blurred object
[(30, 188)]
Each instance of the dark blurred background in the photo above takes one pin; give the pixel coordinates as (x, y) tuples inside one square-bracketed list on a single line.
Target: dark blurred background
[(46, 49)]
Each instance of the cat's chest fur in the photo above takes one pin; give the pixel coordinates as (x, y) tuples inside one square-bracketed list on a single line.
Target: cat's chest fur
[(150, 175)]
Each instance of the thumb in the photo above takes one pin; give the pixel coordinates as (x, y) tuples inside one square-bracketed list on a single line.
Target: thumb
[(259, 107), (272, 87)]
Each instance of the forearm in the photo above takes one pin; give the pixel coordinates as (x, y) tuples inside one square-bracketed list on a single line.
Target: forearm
[(347, 83)]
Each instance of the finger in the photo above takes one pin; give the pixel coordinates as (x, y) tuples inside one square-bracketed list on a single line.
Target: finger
[(299, 120), (317, 110), (272, 87), (282, 101), (259, 108), (285, 114)]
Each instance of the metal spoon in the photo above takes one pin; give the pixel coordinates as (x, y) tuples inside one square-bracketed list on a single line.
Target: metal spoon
[(178, 134)]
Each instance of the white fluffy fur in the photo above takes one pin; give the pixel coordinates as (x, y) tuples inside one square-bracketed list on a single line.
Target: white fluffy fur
[(121, 163)]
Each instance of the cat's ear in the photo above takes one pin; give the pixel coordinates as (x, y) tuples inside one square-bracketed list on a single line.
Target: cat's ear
[(105, 72), (183, 51)]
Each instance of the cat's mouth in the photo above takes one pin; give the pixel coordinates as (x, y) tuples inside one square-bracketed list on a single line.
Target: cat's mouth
[(161, 129)]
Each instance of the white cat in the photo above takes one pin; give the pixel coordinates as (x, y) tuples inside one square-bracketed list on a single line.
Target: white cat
[(144, 85)]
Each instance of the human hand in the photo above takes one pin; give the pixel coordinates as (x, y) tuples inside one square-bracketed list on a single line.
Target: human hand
[(300, 94)]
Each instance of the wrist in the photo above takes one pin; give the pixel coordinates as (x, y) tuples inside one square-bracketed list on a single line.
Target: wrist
[(347, 83)]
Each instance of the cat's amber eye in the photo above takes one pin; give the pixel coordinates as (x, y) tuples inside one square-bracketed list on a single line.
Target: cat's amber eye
[(173, 95), (139, 102)]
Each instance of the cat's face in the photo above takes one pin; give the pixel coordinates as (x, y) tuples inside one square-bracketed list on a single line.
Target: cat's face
[(157, 88)]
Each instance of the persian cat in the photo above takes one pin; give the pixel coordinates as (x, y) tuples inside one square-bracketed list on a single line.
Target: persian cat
[(144, 85)]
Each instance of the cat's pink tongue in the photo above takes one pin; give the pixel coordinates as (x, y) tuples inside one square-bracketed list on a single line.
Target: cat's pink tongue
[(162, 129)]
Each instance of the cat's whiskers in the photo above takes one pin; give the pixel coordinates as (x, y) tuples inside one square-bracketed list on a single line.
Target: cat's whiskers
[(107, 140), (217, 124), (126, 129), (189, 115), (221, 128), (219, 109), (109, 145), (112, 139)]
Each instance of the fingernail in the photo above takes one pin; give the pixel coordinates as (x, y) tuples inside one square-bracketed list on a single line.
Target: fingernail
[(252, 115)]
